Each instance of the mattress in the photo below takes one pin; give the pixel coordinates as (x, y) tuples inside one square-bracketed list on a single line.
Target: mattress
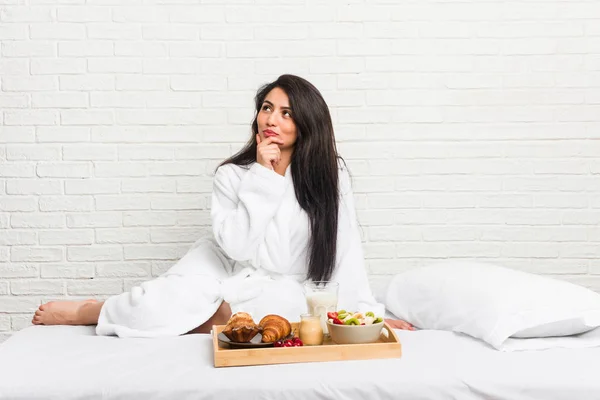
[(62, 362)]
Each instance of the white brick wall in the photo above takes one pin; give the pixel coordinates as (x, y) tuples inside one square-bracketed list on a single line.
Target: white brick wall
[(472, 130)]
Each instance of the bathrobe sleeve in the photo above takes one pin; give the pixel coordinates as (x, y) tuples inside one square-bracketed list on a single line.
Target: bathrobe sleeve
[(242, 208), (354, 290)]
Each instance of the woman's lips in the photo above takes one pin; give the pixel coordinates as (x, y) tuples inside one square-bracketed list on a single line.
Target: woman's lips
[(269, 133)]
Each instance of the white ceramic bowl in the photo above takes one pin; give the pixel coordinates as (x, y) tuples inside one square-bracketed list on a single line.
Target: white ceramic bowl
[(353, 334)]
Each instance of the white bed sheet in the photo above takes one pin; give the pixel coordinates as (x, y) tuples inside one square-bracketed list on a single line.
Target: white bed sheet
[(59, 362)]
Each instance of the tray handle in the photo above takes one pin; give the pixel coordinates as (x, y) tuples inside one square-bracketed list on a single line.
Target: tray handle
[(386, 331), (389, 333)]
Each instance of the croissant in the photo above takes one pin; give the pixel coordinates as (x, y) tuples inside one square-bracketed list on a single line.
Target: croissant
[(241, 328), (274, 328)]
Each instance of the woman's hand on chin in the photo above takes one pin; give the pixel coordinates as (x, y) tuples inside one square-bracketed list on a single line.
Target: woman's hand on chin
[(400, 324)]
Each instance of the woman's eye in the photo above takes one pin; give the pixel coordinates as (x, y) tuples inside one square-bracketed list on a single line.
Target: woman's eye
[(266, 108), (287, 114)]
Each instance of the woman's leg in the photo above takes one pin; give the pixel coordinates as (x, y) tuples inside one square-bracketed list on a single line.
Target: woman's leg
[(68, 313), (182, 291), (219, 318), (87, 312)]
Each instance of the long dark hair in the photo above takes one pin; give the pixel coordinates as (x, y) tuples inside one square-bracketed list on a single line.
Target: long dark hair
[(314, 167)]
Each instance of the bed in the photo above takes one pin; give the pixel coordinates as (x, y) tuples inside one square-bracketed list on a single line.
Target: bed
[(63, 362)]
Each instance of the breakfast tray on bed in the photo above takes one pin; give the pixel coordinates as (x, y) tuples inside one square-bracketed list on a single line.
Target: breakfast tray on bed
[(388, 346)]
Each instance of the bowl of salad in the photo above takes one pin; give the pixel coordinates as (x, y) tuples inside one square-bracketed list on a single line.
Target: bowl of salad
[(346, 327)]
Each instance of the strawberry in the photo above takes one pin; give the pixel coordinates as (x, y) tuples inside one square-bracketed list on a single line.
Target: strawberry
[(337, 321), (332, 315)]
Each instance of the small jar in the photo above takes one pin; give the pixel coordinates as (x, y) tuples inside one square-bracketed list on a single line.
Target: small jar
[(311, 332)]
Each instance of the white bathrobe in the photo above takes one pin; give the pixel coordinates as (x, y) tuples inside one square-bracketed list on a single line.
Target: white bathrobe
[(256, 260)]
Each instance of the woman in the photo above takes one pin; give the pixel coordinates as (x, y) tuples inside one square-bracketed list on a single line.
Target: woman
[(282, 212)]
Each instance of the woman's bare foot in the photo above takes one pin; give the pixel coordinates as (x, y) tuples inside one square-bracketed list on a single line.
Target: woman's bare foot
[(67, 313)]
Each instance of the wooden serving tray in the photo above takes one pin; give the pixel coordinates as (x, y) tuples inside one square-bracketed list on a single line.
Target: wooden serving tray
[(388, 346)]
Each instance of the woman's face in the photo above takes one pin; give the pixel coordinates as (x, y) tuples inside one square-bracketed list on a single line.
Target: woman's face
[(275, 119)]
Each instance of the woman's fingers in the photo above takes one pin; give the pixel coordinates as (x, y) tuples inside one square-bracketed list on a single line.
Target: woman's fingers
[(405, 325), (271, 153), (400, 324), (267, 151), (270, 140)]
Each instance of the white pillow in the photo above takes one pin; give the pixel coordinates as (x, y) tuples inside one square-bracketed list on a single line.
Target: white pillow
[(492, 303)]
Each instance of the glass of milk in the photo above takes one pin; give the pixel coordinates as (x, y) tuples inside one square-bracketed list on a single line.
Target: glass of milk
[(321, 298)]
